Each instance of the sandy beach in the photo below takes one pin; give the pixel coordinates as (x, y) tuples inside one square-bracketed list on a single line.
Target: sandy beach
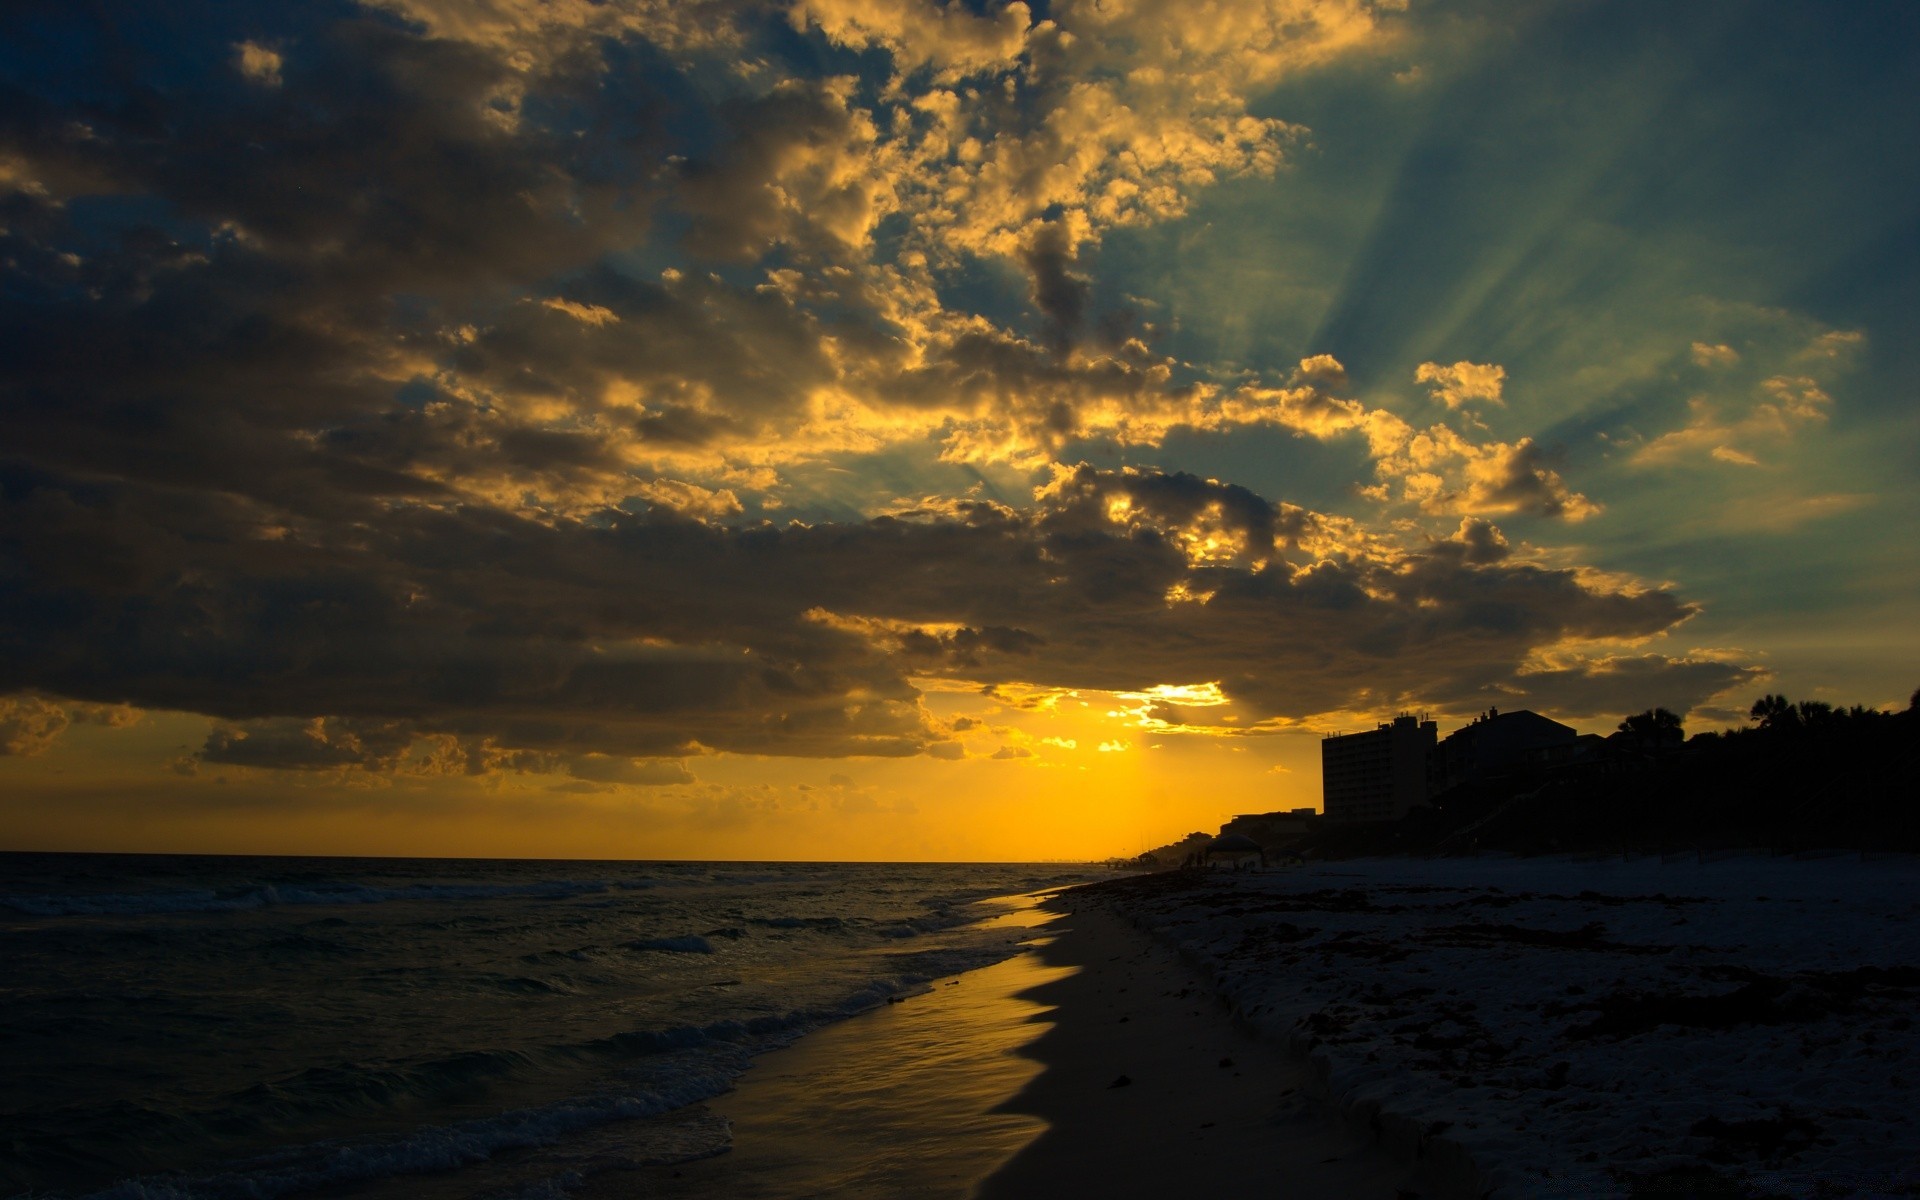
[(1205, 1103), (1739, 1025), (1488, 1026), (1007, 1083)]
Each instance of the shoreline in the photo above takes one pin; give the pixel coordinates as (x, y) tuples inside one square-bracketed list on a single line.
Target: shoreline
[(999, 1083), (1207, 1102)]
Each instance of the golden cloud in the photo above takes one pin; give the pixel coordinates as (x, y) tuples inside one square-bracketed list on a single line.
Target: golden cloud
[(1463, 383)]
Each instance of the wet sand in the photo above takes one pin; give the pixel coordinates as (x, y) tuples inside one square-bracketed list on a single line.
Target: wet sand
[(1000, 1084)]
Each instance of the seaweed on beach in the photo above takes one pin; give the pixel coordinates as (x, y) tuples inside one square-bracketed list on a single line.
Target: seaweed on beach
[(1557, 1016), (1263, 940), (1759, 1000), (1353, 944), (1755, 1138), (1592, 936), (1693, 1181)]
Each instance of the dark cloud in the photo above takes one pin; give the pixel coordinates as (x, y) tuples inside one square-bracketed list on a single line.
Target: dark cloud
[(1477, 541), (778, 180), (1615, 687), (29, 724), (662, 636), (1059, 294), (211, 282), (963, 649), (316, 744)]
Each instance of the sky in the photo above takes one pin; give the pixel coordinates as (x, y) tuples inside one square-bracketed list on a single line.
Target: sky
[(888, 429)]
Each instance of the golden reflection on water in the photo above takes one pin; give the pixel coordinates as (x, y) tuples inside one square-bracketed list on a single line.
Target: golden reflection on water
[(898, 1102)]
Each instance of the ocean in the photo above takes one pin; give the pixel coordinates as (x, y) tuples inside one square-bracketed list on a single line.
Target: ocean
[(183, 1027)]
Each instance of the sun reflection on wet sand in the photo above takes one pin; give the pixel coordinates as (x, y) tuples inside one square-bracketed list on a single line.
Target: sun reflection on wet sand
[(898, 1102)]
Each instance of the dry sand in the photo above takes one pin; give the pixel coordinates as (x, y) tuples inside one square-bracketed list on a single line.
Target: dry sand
[(1001, 1083)]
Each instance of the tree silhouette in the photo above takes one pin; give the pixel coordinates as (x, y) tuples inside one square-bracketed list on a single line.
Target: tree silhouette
[(1654, 720), (1815, 714), (1654, 728), (1774, 712)]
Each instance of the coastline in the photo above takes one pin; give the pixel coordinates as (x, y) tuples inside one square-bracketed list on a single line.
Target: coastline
[(1479, 1026), (1208, 1102), (1000, 1083)]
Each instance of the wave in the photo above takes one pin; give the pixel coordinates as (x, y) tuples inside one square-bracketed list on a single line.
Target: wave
[(435, 1148), (499, 1000), (691, 943), (668, 1069), (266, 895), (800, 922)]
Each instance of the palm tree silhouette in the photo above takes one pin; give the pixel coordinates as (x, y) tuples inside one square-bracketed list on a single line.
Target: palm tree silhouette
[(1774, 712)]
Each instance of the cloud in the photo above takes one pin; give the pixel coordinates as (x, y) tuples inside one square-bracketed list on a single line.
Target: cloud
[(1476, 541), (316, 744), (1057, 292), (532, 36), (355, 644), (1758, 403), (416, 286), (259, 64), (412, 397), (955, 41), (603, 768), (1782, 406), (1621, 684), (1446, 473), (1516, 478), (29, 724), (587, 314), (1463, 383), (1109, 115), (1835, 344), (1438, 469)]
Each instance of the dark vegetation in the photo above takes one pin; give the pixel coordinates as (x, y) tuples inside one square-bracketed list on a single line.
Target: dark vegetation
[(1801, 778)]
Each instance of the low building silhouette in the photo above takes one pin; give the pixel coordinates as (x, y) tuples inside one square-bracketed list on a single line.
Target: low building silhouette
[(1274, 829), (1378, 775), (1495, 743)]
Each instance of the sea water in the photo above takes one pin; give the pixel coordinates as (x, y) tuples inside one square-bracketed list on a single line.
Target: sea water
[(186, 1026)]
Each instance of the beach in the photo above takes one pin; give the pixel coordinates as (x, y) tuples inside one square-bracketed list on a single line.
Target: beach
[(1732, 1024), (1738, 1026), (1208, 1103), (1096, 1063)]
